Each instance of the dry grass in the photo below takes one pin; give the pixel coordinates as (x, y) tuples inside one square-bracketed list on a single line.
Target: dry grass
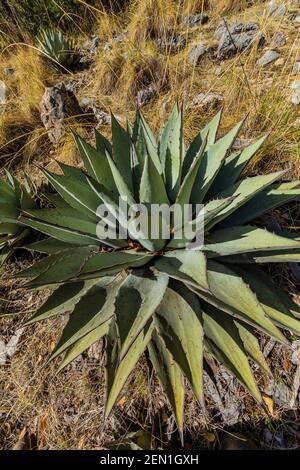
[(21, 130)]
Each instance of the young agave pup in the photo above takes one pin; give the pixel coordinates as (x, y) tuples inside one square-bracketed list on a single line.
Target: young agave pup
[(187, 308), (14, 197)]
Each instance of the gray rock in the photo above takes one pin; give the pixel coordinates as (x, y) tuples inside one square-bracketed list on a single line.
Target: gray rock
[(279, 440), (267, 58), (102, 117), (297, 19), (296, 352), (295, 98), (2, 353), (91, 44), (267, 436), (115, 39), (240, 38), (57, 104), (195, 20), (86, 102), (3, 92), (207, 100), (218, 71), (282, 395), (12, 344), (296, 68), (279, 39), (196, 53), (225, 398), (145, 95), (91, 107), (269, 387), (8, 350), (236, 28), (276, 9), (171, 43), (95, 352), (295, 85), (8, 71)]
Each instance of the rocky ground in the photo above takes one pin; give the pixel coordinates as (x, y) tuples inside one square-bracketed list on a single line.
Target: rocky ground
[(242, 56)]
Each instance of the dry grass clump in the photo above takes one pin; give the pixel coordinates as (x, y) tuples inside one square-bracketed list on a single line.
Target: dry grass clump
[(20, 126), (107, 72), (125, 70), (151, 19), (144, 67)]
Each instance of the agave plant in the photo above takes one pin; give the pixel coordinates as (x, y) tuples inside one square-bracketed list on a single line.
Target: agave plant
[(186, 308), (14, 197), (57, 47)]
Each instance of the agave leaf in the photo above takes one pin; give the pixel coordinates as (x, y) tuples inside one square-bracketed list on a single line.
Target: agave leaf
[(183, 236), (188, 183), (211, 164), (8, 228), (170, 377), (56, 199), (152, 188), (272, 197), (112, 204), (77, 194), (179, 324), (139, 141), (212, 208), (66, 265), (95, 163), (224, 335), (62, 300), (124, 190), (26, 201), (278, 256), (246, 239), (137, 300), (7, 193), (39, 267), (188, 266), (122, 154), (50, 246), (67, 217), (83, 344), (92, 310), (251, 345), (102, 144), (118, 259), (243, 192), (118, 211), (118, 372), (270, 297), (170, 152), (230, 289), (209, 132), (152, 191), (5, 253), (151, 144), (233, 167), (63, 234), (73, 172)]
